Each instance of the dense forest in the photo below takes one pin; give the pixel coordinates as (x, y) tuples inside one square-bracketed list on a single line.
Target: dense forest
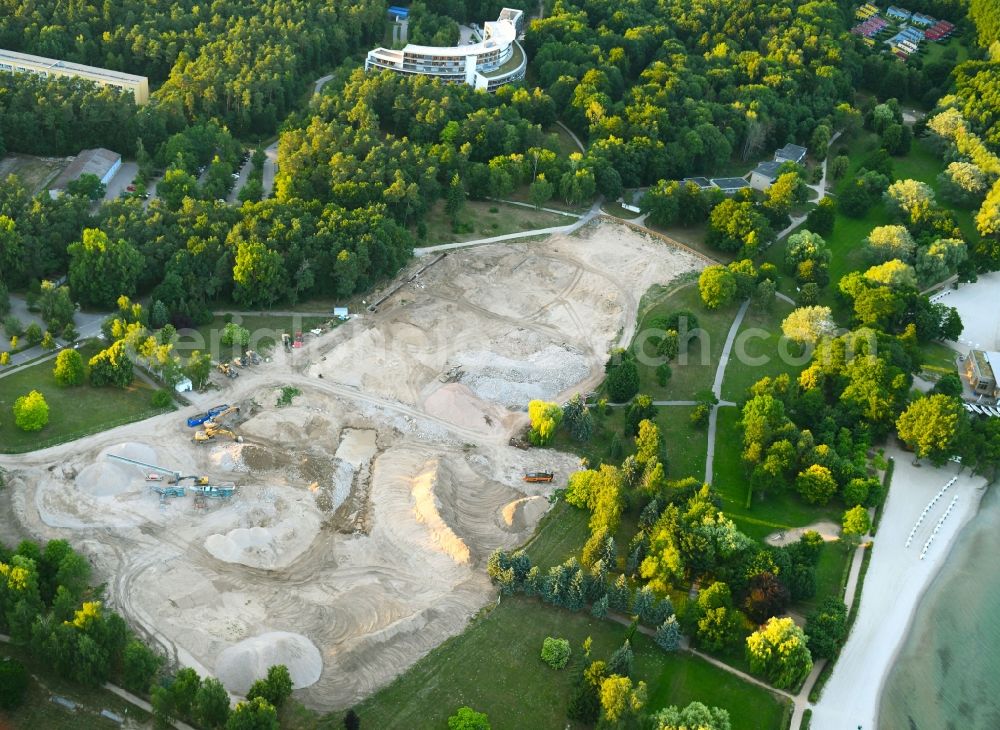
[(244, 63), (659, 90)]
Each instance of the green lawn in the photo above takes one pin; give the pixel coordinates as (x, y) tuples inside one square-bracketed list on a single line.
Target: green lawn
[(38, 710), (486, 219), (758, 351), (598, 449), (938, 357), (563, 141), (696, 371), (848, 235), (494, 667), (777, 510), (694, 236), (265, 332), (73, 412), (561, 534), (834, 560), (618, 211), (686, 445)]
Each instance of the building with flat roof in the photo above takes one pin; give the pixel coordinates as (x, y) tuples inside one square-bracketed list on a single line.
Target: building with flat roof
[(764, 175), (496, 60), (100, 162), (26, 63), (981, 369), (791, 153), (729, 185), (703, 183)]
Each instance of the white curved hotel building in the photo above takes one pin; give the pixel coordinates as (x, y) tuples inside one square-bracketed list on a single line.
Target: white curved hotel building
[(496, 60)]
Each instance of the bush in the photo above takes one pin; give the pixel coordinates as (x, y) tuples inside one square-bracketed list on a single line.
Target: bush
[(13, 684), (555, 652), (699, 416), (69, 333), (468, 719), (622, 376), (31, 412), (234, 334), (287, 394), (663, 373), (13, 326), (162, 398), (69, 368), (33, 334)]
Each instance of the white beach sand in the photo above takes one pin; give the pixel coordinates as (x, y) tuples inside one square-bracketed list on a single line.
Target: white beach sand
[(896, 580)]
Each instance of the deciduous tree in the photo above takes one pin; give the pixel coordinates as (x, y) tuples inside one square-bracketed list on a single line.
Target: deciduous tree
[(69, 368), (779, 651), (31, 412), (930, 427), (102, 269), (808, 325), (816, 484), (545, 419), (717, 286), (695, 716)]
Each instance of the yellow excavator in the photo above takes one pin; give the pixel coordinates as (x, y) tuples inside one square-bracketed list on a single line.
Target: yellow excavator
[(212, 428), (216, 420)]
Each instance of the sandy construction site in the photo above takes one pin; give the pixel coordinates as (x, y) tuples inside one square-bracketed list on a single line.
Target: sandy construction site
[(363, 513)]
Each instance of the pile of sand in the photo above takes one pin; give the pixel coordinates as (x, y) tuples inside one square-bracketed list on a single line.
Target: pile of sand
[(524, 513), (427, 510), (242, 664), (107, 477), (455, 403), (247, 546), (228, 457), (270, 536)]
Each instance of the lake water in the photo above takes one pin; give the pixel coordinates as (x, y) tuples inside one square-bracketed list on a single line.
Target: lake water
[(947, 676)]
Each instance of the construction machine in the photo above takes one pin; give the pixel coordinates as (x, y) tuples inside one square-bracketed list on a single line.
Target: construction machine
[(214, 492), (196, 480), (225, 369), (539, 476), (209, 433), (214, 427), (165, 492), (253, 357), (219, 417), (286, 341), (173, 477), (298, 340), (207, 415)]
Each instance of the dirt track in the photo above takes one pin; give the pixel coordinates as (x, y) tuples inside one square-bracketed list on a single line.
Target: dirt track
[(365, 512)]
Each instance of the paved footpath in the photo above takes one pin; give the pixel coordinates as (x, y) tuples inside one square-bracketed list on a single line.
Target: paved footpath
[(125, 695), (595, 210), (717, 388)]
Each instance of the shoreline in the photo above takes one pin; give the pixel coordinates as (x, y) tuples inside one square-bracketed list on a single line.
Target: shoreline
[(896, 583), (936, 576)]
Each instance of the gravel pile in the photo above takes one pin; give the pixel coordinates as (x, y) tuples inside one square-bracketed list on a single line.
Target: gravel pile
[(512, 383)]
